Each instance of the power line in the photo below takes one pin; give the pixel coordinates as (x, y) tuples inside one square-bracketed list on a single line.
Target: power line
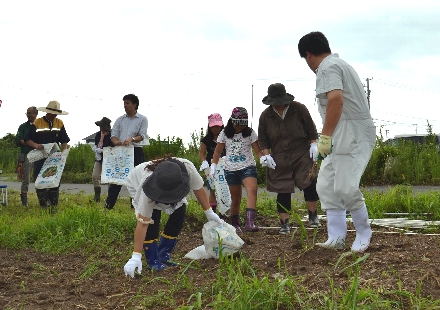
[(400, 85)]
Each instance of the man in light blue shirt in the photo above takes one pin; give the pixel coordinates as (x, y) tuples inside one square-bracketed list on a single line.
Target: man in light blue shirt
[(129, 129)]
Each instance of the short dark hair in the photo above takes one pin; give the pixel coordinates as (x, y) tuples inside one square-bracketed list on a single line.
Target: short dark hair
[(133, 98), (34, 110), (314, 43)]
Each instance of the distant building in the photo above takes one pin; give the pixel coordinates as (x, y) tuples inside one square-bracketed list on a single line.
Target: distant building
[(90, 139)]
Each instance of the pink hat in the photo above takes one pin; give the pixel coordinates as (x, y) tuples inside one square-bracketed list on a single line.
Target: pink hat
[(215, 119)]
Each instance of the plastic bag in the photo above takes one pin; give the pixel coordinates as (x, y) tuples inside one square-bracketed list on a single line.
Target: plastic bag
[(220, 186), (52, 170), (198, 253), (117, 163), (230, 241), (49, 149)]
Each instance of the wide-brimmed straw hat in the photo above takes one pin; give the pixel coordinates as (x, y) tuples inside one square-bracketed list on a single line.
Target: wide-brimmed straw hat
[(277, 95), (53, 107), (104, 123), (169, 182)]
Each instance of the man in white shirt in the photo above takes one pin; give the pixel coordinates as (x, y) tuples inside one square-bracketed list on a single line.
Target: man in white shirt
[(346, 142), (129, 129)]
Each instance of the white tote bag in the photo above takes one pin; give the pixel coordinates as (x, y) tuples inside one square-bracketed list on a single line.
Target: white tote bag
[(117, 163), (52, 170)]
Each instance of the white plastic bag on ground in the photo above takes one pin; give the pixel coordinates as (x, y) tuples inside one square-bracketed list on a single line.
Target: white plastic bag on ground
[(230, 241), (198, 253)]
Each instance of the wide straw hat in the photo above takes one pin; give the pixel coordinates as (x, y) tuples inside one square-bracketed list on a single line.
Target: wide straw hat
[(53, 107), (277, 95), (169, 182)]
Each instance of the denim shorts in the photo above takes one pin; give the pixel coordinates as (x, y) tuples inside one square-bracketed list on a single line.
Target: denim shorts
[(237, 177)]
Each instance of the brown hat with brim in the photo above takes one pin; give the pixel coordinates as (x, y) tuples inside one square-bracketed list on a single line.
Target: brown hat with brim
[(277, 95), (104, 123)]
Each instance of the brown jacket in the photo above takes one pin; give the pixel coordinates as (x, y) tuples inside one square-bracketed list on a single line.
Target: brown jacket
[(288, 140)]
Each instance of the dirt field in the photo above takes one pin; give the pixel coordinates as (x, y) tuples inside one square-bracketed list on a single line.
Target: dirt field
[(30, 280)]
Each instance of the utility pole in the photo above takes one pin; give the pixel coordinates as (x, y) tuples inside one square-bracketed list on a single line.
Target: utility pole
[(252, 117), (368, 91), (416, 127)]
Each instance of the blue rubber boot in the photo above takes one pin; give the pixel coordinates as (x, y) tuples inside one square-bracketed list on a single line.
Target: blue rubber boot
[(151, 255), (166, 246)]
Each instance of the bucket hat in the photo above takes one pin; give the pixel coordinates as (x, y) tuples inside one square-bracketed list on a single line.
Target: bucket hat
[(53, 107), (104, 123), (215, 119), (277, 95), (169, 182)]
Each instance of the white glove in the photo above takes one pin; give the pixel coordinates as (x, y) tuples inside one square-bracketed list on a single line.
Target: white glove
[(211, 216), (98, 156), (133, 263), (204, 165), (213, 170), (97, 149), (267, 161), (314, 151)]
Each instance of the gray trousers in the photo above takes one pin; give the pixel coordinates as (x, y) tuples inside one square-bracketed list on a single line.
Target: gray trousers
[(27, 169), (96, 174)]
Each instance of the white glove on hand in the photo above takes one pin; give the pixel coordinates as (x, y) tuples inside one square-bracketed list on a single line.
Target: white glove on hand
[(211, 216), (134, 262), (314, 151), (98, 150), (213, 170), (267, 161), (204, 165)]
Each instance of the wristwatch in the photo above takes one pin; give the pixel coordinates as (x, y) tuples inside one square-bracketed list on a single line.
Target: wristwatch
[(132, 139)]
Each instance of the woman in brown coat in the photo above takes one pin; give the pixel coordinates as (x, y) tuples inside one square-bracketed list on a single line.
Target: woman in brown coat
[(287, 135)]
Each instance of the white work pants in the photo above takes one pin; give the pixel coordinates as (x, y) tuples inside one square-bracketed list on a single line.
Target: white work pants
[(341, 171)]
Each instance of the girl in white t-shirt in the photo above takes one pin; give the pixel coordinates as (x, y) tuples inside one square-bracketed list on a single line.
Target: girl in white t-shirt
[(240, 166)]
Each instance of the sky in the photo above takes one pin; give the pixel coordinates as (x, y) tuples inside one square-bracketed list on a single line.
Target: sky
[(188, 59)]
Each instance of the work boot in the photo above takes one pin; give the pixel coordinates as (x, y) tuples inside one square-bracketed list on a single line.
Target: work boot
[(313, 219), (250, 218), (53, 197), (363, 229), (285, 227), (97, 194), (336, 229), (42, 198), (235, 221), (151, 255), (166, 246), (24, 199)]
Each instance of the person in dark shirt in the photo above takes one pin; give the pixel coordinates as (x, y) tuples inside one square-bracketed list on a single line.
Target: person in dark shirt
[(102, 139), (207, 148), (47, 129), (25, 165)]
